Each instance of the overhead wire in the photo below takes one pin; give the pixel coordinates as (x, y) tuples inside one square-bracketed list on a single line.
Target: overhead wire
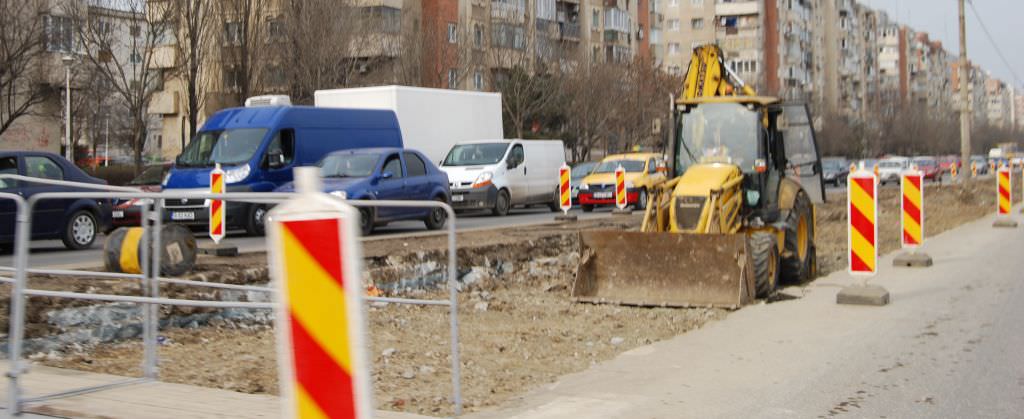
[(995, 46)]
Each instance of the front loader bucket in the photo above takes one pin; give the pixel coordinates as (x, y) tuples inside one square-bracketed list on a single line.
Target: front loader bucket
[(664, 269)]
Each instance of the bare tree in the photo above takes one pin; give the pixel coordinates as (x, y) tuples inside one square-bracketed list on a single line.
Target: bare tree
[(244, 42), (314, 42), (119, 45), (193, 23), (22, 41), (589, 113)]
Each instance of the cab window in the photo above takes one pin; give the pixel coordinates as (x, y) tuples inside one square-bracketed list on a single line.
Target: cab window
[(516, 156), (652, 166), (281, 148), (393, 165), (43, 168), (8, 166)]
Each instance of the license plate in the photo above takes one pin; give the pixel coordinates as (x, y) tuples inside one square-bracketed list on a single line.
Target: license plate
[(458, 198), (117, 214), (178, 216), (602, 195)]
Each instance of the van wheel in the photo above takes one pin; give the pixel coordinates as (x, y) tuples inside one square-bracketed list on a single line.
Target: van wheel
[(502, 204), (556, 203), (366, 221), (80, 230), (437, 217), (254, 221)]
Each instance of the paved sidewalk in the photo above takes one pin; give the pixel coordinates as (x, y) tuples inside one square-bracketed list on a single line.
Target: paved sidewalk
[(948, 345), (149, 400)]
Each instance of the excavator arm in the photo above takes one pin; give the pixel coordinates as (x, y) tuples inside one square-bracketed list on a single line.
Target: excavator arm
[(708, 76)]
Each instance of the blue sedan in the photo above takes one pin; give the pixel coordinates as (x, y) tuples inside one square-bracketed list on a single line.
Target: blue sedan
[(76, 222), (385, 174)]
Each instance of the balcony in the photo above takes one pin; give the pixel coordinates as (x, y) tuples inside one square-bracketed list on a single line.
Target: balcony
[(569, 31), (164, 103), (163, 58), (737, 9), (508, 12)]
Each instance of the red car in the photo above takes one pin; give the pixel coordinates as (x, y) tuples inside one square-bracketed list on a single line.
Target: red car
[(128, 213), (946, 162), (930, 167)]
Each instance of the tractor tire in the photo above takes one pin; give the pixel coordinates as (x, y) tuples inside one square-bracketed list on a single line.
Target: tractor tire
[(764, 253), (798, 261)]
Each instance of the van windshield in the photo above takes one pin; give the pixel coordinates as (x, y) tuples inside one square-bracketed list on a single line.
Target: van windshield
[(228, 147), (475, 154)]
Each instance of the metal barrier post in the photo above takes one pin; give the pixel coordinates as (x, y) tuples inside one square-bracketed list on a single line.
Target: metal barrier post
[(17, 320), (453, 314), (150, 221), (154, 290)]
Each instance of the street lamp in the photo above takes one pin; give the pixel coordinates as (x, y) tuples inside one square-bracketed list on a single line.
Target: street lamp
[(68, 148)]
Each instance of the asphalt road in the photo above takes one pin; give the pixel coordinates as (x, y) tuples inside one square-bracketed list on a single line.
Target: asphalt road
[(947, 346), (53, 254)]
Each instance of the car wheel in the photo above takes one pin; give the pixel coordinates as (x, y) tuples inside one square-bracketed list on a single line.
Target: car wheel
[(254, 222), (502, 204), (80, 230), (366, 222), (437, 217), (587, 208), (641, 203)]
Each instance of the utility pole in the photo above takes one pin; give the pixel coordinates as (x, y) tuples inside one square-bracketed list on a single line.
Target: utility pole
[(965, 106)]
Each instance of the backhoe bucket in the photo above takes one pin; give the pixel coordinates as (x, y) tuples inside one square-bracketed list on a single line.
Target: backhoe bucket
[(664, 269)]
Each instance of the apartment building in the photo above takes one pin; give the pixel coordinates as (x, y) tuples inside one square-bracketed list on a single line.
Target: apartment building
[(688, 23), (999, 102)]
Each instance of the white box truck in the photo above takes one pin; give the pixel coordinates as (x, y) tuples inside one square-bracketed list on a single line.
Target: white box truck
[(431, 120)]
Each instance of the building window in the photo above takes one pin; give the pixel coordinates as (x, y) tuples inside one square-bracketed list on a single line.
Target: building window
[(136, 31), (673, 3), (233, 33), (478, 36), (508, 36), (596, 20), (232, 79), (389, 18), (453, 78), (453, 33), (673, 25), (673, 48), (478, 81), (275, 29), (697, 3), (60, 33), (135, 58), (697, 24)]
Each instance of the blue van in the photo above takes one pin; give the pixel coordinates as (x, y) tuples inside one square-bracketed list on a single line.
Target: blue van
[(257, 147)]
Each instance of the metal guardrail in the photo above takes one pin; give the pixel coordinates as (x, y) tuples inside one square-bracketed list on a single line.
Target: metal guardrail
[(151, 280)]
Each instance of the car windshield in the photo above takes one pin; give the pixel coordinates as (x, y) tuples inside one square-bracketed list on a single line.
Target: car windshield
[(581, 170), (833, 164), (925, 163), (349, 165), (890, 164), (718, 133), (630, 166), (475, 154), (233, 146), (151, 176)]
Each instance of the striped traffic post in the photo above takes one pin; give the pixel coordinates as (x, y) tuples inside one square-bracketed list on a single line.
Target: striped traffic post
[(217, 217), (953, 171), (565, 193), (1004, 198), (316, 262), (621, 198), (974, 169), (912, 220), (862, 240)]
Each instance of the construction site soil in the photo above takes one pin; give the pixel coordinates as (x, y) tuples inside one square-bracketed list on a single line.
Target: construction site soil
[(519, 329)]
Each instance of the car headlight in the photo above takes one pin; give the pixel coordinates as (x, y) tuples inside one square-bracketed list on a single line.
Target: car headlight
[(167, 178), (236, 174), (340, 194), (140, 202), (483, 179), (584, 187)]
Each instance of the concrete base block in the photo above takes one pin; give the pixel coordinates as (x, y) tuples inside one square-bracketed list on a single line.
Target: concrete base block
[(868, 295), (626, 211), (566, 218), (219, 250), (1004, 223), (912, 260)]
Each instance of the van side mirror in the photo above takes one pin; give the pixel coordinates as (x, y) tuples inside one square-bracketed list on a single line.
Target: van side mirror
[(275, 160)]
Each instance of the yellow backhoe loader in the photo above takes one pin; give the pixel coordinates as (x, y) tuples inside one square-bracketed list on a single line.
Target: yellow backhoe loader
[(735, 217)]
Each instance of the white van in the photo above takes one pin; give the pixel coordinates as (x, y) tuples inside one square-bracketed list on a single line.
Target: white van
[(500, 174)]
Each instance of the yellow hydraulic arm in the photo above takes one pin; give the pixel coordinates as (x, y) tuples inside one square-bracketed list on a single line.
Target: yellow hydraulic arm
[(708, 76)]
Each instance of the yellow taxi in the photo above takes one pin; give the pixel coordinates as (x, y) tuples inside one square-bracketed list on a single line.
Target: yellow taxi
[(642, 171)]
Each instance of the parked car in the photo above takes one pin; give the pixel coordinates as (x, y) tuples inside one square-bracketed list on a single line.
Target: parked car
[(128, 213), (890, 168), (258, 146), (946, 163), (641, 174), (385, 174), (76, 222), (929, 167), (500, 174), (580, 171), (835, 170)]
